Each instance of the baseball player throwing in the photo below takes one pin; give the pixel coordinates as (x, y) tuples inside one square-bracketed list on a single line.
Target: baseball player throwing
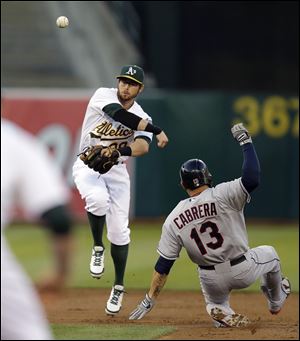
[(115, 127), (210, 225)]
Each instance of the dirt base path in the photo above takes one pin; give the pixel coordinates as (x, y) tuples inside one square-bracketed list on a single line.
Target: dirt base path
[(184, 310)]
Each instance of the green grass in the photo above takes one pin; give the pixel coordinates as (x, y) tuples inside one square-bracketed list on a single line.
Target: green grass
[(108, 332), (32, 249), (30, 244)]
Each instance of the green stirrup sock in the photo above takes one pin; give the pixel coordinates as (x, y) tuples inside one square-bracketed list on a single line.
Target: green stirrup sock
[(97, 226), (119, 255)]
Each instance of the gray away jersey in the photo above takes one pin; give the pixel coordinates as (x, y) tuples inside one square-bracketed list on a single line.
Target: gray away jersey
[(99, 128), (210, 226)]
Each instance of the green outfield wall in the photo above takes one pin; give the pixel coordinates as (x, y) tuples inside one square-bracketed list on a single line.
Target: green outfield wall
[(198, 126)]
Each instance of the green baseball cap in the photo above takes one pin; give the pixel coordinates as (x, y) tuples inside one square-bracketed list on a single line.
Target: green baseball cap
[(132, 72)]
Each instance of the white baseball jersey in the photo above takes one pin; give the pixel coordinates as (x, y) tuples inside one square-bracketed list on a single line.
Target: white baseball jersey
[(29, 177), (211, 226), (99, 128), (30, 180), (108, 194)]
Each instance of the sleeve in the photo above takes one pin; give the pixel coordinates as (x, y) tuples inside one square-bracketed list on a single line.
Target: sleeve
[(102, 98), (251, 168), (169, 246), (233, 193), (163, 265)]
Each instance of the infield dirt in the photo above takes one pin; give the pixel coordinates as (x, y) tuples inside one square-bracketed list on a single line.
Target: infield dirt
[(183, 310)]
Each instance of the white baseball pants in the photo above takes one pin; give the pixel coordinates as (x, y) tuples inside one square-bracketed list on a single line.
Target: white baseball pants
[(261, 262), (106, 194)]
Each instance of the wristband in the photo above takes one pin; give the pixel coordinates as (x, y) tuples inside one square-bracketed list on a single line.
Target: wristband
[(125, 151), (153, 129)]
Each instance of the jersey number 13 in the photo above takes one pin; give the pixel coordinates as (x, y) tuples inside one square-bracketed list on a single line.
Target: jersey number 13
[(213, 234)]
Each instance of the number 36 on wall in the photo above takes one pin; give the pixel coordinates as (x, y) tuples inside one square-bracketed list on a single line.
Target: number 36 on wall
[(275, 116)]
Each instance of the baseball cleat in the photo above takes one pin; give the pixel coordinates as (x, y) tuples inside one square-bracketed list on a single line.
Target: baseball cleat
[(275, 306), (228, 320), (286, 286), (97, 262), (114, 303), (217, 324)]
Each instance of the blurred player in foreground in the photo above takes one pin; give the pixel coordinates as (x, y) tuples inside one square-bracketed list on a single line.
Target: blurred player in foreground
[(30, 181), (210, 224)]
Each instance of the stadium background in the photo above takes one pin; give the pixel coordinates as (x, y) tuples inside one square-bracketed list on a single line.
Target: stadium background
[(207, 64), (205, 70)]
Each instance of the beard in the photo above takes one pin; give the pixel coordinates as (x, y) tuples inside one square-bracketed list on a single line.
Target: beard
[(126, 96)]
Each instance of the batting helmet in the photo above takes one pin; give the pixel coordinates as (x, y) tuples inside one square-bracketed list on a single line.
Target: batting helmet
[(194, 173)]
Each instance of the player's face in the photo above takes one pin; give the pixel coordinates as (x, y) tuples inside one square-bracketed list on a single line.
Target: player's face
[(128, 89)]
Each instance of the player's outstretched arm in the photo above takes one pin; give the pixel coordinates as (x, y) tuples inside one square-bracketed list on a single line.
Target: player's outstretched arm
[(146, 305), (130, 120), (251, 166), (159, 279)]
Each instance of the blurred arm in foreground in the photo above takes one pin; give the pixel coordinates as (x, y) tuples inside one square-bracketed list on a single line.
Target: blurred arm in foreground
[(30, 181)]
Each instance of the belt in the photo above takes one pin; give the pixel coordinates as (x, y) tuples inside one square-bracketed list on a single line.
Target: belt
[(232, 262)]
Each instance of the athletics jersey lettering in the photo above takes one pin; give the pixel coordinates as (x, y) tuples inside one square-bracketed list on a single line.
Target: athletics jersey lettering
[(195, 213), (99, 128), (107, 129)]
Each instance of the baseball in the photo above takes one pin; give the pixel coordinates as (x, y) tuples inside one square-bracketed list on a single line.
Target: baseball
[(62, 22)]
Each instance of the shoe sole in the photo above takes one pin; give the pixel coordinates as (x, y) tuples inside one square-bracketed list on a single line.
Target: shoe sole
[(110, 313), (96, 275)]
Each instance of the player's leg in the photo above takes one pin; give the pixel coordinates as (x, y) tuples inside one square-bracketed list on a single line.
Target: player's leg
[(118, 232), (262, 263), (275, 287), (119, 254), (97, 258), (216, 291), (92, 189)]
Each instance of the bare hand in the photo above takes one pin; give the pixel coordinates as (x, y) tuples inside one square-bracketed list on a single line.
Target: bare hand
[(162, 139)]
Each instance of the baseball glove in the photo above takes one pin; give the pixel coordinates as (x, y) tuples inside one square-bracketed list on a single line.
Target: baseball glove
[(100, 159)]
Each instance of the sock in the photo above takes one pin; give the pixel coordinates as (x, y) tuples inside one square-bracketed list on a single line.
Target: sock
[(97, 225), (119, 255)]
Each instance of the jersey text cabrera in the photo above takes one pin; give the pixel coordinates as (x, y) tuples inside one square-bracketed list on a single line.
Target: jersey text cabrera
[(211, 226), (195, 213)]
